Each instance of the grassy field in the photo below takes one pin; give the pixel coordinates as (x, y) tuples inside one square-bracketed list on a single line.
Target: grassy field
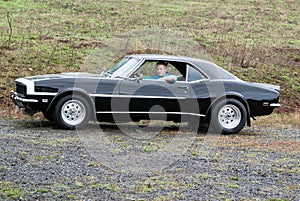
[(257, 40)]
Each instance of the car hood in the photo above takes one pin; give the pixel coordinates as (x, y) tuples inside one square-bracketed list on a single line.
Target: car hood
[(62, 75)]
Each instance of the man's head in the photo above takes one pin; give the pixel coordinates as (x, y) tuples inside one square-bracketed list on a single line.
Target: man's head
[(161, 69)]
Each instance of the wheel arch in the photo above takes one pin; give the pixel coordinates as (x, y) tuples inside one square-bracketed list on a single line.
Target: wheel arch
[(231, 95), (73, 91)]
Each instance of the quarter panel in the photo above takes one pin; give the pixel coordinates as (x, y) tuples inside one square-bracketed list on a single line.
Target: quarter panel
[(255, 95)]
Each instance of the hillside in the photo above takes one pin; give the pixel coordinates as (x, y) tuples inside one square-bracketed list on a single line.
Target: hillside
[(257, 40)]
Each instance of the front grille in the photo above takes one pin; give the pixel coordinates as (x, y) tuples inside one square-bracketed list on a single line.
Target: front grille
[(20, 88)]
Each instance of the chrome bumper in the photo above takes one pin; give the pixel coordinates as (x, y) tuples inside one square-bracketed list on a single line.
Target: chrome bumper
[(19, 101), (275, 105)]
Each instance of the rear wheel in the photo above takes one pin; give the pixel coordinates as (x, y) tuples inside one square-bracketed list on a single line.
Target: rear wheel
[(72, 111), (228, 116)]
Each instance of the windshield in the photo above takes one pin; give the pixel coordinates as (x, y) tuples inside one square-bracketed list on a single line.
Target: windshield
[(123, 67)]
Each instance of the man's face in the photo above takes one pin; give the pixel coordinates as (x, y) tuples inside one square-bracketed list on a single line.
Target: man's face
[(161, 70)]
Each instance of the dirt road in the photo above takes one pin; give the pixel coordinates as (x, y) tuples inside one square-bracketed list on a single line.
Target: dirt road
[(39, 161)]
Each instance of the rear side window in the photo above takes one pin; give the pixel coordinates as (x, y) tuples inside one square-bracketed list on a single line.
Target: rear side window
[(193, 74)]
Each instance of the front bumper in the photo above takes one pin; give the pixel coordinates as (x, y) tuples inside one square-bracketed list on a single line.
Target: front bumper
[(20, 101)]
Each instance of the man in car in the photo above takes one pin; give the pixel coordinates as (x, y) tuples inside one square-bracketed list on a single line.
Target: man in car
[(162, 73)]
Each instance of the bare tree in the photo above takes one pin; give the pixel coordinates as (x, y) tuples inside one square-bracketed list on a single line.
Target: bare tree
[(10, 30)]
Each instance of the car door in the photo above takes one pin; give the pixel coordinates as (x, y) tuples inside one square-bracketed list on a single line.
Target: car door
[(152, 96)]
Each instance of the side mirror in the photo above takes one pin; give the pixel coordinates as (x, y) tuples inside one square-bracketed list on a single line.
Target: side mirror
[(138, 76)]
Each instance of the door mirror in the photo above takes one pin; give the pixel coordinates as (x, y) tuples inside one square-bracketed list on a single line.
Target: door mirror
[(138, 76)]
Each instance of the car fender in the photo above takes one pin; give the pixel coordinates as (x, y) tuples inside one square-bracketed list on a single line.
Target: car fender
[(233, 95), (69, 91)]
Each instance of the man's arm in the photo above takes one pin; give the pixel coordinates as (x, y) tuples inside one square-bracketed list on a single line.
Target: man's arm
[(171, 79)]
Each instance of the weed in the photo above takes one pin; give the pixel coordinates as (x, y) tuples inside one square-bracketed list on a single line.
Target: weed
[(234, 178), (4, 168), (234, 186), (79, 184), (8, 191), (43, 190), (61, 186), (53, 192), (205, 176), (94, 164), (110, 186), (40, 158), (72, 197), (9, 21), (279, 120)]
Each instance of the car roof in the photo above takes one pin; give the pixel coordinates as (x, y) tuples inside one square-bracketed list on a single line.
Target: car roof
[(163, 57), (209, 68)]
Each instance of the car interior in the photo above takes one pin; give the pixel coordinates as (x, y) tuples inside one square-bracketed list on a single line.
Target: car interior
[(184, 72)]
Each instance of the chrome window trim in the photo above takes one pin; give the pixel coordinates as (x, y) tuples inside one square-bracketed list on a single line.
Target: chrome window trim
[(187, 72), (197, 81), (197, 69), (176, 60), (136, 66)]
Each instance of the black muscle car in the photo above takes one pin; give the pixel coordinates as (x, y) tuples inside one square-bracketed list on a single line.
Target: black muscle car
[(202, 91)]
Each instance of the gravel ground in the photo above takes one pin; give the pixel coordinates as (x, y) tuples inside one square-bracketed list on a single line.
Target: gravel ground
[(39, 161)]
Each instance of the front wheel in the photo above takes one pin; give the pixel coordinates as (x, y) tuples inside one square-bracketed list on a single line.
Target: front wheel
[(228, 116), (72, 111)]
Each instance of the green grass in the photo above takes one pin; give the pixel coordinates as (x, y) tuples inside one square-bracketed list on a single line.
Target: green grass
[(7, 191), (111, 186), (256, 40), (234, 186)]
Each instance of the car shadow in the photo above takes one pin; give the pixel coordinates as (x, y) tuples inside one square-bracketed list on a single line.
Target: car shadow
[(170, 127)]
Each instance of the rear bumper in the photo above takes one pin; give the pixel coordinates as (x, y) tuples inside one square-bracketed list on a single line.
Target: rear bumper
[(20, 101), (275, 105)]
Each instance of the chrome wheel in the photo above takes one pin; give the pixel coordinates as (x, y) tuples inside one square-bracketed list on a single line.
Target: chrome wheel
[(73, 112), (229, 116)]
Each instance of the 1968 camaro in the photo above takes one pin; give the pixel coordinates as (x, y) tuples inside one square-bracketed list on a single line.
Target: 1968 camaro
[(202, 91)]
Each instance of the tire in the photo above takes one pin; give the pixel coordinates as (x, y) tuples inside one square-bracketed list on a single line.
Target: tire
[(49, 115), (228, 116), (72, 111)]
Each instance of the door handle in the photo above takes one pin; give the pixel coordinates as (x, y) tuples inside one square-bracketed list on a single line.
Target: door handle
[(183, 87)]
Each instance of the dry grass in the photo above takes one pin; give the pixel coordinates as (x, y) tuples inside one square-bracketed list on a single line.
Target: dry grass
[(256, 40), (279, 121)]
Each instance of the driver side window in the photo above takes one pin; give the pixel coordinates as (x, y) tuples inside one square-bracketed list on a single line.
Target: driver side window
[(148, 69)]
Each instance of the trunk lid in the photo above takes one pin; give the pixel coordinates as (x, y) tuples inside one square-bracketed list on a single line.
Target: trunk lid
[(268, 86)]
